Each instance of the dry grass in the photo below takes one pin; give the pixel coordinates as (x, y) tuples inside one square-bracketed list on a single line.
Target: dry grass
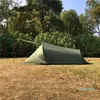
[(19, 81)]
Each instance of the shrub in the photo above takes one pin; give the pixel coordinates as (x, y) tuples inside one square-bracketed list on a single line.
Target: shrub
[(56, 38), (9, 41), (88, 44), (6, 42)]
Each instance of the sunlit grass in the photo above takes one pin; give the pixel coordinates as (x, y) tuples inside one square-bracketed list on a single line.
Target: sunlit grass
[(20, 81)]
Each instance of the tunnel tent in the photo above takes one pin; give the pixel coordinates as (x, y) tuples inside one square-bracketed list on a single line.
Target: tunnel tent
[(51, 54)]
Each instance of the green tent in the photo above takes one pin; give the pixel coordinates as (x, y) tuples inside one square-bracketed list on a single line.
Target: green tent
[(51, 54)]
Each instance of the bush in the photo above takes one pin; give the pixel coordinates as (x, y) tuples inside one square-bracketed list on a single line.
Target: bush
[(9, 45), (89, 45), (56, 38), (23, 48), (6, 42)]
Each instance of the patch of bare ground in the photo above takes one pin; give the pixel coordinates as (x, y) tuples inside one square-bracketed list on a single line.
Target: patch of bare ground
[(20, 81)]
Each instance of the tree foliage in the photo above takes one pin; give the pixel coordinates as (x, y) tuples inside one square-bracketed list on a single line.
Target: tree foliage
[(43, 21), (71, 22), (5, 10), (56, 38), (93, 13), (24, 22), (86, 24), (36, 17), (47, 7), (10, 46), (88, 44)]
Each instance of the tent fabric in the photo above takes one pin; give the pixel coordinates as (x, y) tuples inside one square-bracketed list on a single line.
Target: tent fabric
[(51, 54)]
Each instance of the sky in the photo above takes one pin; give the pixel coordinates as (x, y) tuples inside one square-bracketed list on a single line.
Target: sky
[(78, 5)]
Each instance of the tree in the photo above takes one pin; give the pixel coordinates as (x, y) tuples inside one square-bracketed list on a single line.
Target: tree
[(96, 18), (93, 13), (48, 10), (48, 6), (25, 22), (71, 22), (86, 24), (38, 16), (25, 19), (5, 6)]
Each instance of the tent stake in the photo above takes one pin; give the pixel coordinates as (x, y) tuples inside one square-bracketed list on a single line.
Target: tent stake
[(14, 51)]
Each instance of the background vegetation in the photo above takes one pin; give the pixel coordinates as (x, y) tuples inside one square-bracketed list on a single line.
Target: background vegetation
[(44, 21)]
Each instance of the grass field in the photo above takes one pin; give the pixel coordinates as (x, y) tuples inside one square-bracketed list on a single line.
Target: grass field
[(20, 81)]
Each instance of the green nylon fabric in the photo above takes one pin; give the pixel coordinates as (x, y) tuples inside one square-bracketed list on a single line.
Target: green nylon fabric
[(37, 57), (51, 54)]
